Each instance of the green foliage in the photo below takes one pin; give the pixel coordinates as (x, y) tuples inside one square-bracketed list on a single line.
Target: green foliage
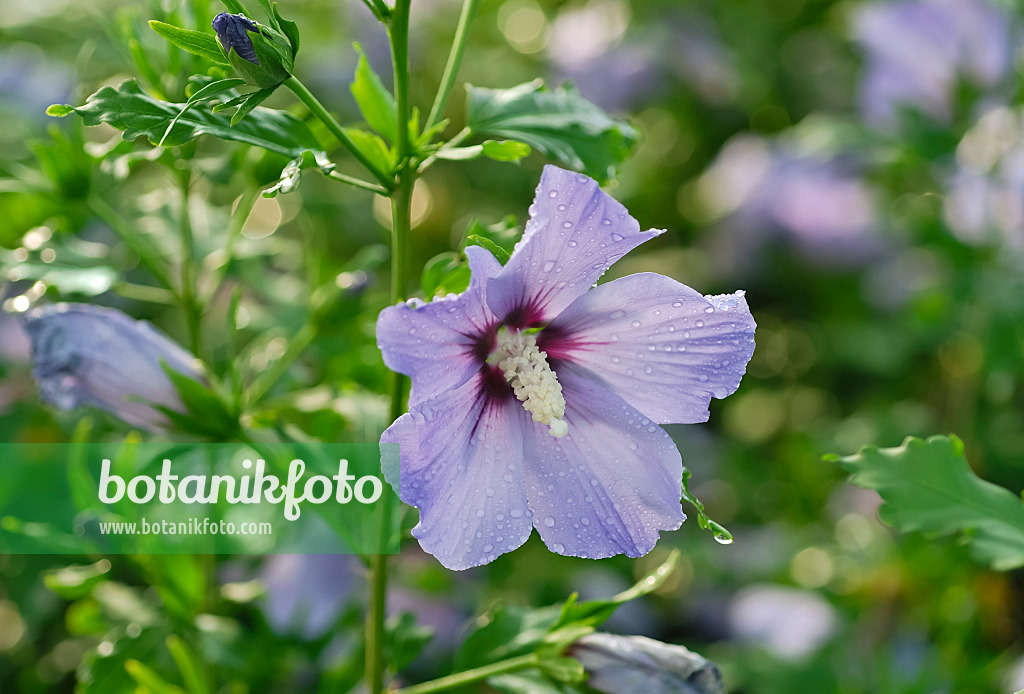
[(130, 109), (560, 124), (445, 273), (405, 640), (928, 487), (274, 55), (207, 412), (375, 102), (498, 150), (509, 631), (200, 43)]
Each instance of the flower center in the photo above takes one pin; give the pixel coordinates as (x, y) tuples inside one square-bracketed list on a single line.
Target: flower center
[(526, 369)]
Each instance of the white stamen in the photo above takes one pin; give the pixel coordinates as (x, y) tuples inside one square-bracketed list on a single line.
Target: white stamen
[(526, 369)]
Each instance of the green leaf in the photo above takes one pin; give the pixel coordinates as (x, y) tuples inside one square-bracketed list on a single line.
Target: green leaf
[(188, 665), (928, 486), (506, 632), (561, 124), (195, 42), (289, 28), (205, 412), (596, 612), (248, 103), (59, 110), (563, 669), (445, 273), (460, 153), (148, 679), (76, 581), (530, 682), (497, 251), (722, 534), (375, 102), (499, 238), (505, 150), (204, 93), (130, 109), (236, 7), (375, 149), (405, 640)]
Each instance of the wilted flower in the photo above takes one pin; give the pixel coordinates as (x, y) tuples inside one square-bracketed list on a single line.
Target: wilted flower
[(89, 355), (536, 403), (619, 664), (260, 55)]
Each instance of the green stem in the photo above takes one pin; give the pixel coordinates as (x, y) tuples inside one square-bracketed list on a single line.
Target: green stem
[(378, 8), (296, 345), (148, 256), (189, 290), (318, 110), (459, 679), (462, 136), (401, 226), (399, 34), (451, 69), (358, 183), (239, 215)]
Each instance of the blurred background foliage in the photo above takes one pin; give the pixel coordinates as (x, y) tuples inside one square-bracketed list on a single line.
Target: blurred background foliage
[(856, 167)]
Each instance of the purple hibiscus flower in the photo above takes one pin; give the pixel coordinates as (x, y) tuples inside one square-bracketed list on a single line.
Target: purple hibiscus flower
[(536, 400)]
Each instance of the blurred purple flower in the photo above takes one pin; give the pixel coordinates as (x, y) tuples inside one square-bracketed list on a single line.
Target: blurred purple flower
[(30, 81), (985, 194), (306, 592), (89, 355), (789, 622), (620, 664), (590, 46), (598, 370), (916, 50), (818, 203)]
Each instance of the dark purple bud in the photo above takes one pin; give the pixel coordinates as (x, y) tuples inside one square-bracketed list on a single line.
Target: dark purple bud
[(233, 32)]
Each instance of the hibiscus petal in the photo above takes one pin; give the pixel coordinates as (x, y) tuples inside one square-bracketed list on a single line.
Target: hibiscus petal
[(461, 464), (575, 233), (441, 344), (610, 484), (662, 346)]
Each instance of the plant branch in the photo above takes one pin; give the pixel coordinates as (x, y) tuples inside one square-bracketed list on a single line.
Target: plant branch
[(460, 679), (318, 110), (359, 183), (451, 69)]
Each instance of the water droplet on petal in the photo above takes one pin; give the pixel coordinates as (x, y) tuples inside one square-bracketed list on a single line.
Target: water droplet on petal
[(559, 548), (549, 521)]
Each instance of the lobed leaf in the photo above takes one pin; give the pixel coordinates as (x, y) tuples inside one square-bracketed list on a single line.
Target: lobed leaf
[(130, 109), (561, 124), (928, 486)]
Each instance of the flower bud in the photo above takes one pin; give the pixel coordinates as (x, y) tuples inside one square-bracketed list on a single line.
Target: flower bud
[(618, 664), (261, 56), (89, 355)]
